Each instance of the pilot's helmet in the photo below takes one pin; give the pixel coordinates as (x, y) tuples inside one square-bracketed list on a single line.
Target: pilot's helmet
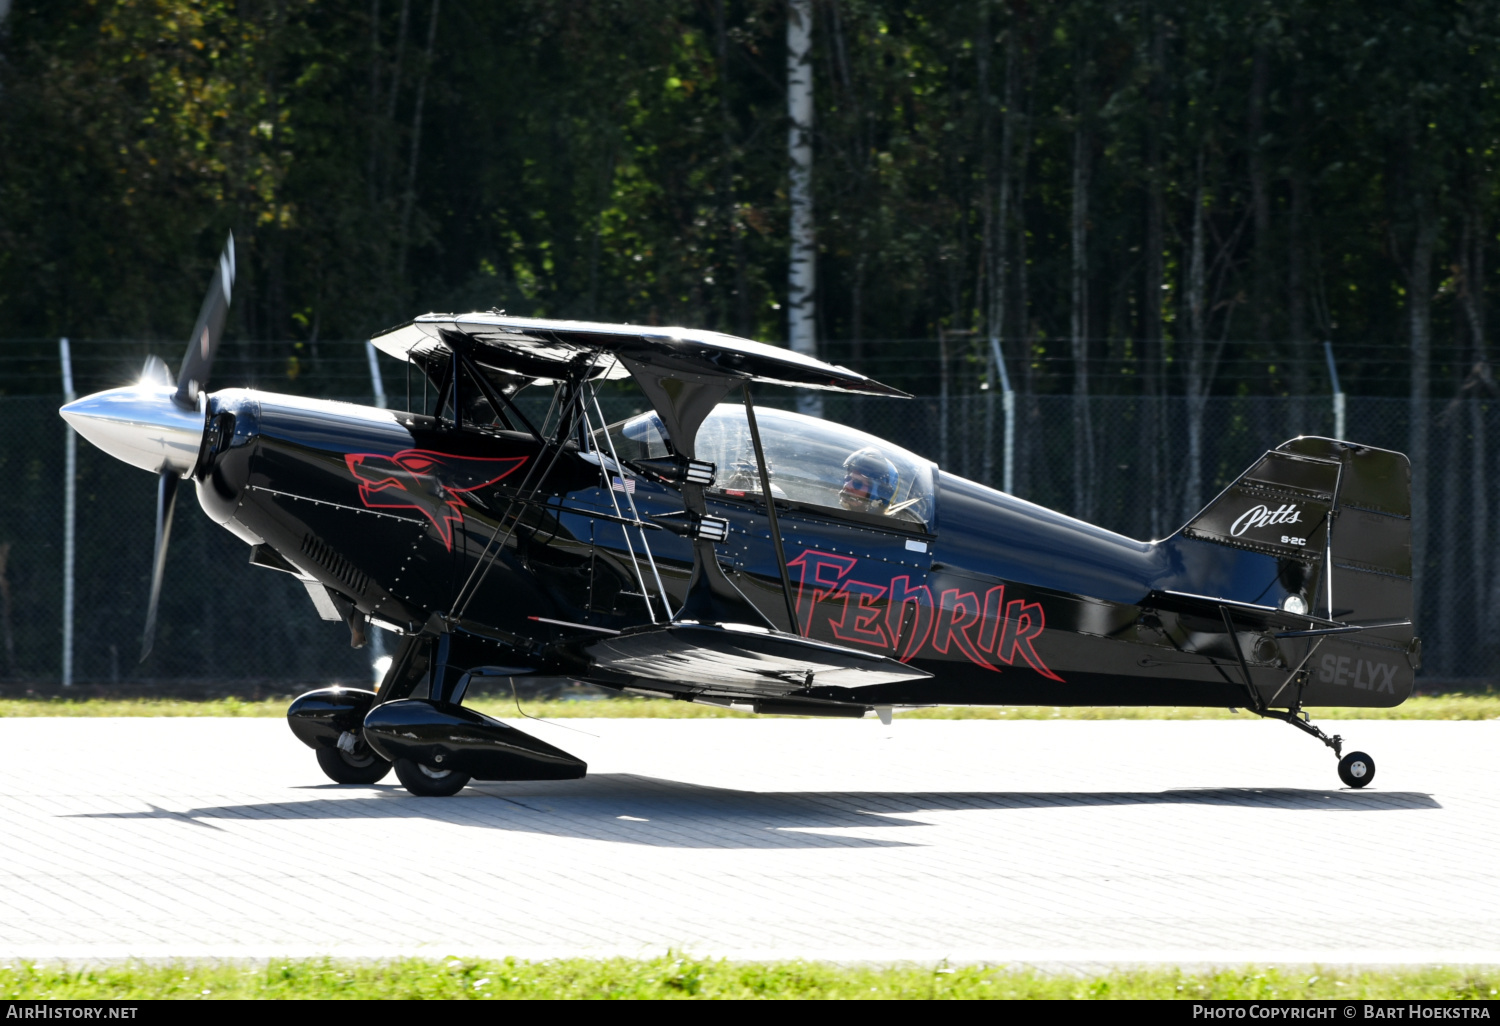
[(869, 481)]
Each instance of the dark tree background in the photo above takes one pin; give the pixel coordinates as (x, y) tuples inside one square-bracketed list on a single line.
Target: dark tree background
[(1159, 210), (1169, 195)]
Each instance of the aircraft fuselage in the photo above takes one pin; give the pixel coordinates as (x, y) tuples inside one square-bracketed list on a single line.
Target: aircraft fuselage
[(515, 544)]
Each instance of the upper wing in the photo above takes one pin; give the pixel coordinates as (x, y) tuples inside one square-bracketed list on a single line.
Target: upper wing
[(543, 349)]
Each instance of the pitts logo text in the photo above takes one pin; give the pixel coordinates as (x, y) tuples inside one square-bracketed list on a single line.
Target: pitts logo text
[(429, 482), (1263, 516), (902, 619)]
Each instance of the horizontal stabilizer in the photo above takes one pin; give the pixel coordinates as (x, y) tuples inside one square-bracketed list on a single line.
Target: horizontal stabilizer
[(1247, 615)]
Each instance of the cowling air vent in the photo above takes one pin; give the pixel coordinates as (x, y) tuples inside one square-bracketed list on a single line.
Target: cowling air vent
[(329, 560)]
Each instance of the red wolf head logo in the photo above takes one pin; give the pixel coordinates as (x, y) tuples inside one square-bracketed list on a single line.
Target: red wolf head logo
[(429, 482)]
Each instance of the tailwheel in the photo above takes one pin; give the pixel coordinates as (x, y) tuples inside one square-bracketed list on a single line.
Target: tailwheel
[(429, 781), (360, 767), (1356, 769)]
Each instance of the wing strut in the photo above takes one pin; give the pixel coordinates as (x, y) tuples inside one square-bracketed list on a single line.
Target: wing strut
[(1257, 705), (765, 491)]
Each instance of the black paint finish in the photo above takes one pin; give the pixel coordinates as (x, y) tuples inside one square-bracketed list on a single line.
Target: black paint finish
[(997, 600), (319, 717), (452, 737)]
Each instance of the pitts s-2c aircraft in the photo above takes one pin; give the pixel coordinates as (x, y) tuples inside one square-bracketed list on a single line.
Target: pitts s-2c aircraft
[(712, 552)]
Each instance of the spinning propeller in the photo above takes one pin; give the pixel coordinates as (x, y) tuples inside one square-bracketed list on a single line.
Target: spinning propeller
[(157, 423)]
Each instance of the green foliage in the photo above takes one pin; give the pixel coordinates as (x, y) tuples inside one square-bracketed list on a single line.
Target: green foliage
[(673, 976), (627, 160)]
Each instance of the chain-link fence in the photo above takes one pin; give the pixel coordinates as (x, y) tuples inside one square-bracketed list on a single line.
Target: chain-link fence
[(1124, 463)]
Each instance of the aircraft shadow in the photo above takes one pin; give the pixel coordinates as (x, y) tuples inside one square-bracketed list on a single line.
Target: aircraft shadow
[(673, 814)]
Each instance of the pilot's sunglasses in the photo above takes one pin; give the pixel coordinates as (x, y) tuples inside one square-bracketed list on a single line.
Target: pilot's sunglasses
[(857, 483)]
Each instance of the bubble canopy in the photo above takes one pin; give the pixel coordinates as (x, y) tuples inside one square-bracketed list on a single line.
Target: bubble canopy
[(810, 461)]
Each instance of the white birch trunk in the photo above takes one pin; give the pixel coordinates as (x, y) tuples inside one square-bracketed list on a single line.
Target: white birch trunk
[(802, 275), (1001, 266)]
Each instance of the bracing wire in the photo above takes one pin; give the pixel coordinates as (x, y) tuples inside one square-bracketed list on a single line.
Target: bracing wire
[(502, 518), (488, 557), (634, 513), (551, 723), (610, 491)]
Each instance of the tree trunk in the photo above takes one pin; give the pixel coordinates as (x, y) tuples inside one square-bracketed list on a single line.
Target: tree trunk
[(7, 633), (596, 244), (1260, 196), (857, 312), (388, 159), (1472, 295), (1000, 277), (1083, 435), (372, 164), (1448, 594), (944, 415), (729, 209), (1030, 437), (1155, 271), (802, 276), (409, 196), (1296, 288), (1419, 319), (1197, 385)]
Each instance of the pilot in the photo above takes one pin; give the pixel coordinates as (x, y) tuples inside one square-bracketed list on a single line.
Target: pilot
[(869, 481)]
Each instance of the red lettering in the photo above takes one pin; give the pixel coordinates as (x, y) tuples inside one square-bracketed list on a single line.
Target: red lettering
[(823, 571), (958, 612), (865, 614), (989, 627), (909, 631), (1023, 624)]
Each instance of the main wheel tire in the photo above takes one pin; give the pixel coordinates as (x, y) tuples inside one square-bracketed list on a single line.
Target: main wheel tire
[(343, 768), (429, 781), (1356, 769)]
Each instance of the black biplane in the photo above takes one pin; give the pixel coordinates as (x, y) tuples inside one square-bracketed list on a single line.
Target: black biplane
[(711, 551)]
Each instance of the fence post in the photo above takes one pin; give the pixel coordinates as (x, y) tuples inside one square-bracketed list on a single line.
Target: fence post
[(1008, 398), (943, 399), (70, 509), (1338, 393), (377, 386)]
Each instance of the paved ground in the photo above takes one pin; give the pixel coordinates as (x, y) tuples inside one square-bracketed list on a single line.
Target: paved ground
[(1072, 843)]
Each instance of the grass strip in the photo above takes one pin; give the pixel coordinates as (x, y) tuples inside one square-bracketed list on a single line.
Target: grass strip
[(679, 977), (1482, 706)]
